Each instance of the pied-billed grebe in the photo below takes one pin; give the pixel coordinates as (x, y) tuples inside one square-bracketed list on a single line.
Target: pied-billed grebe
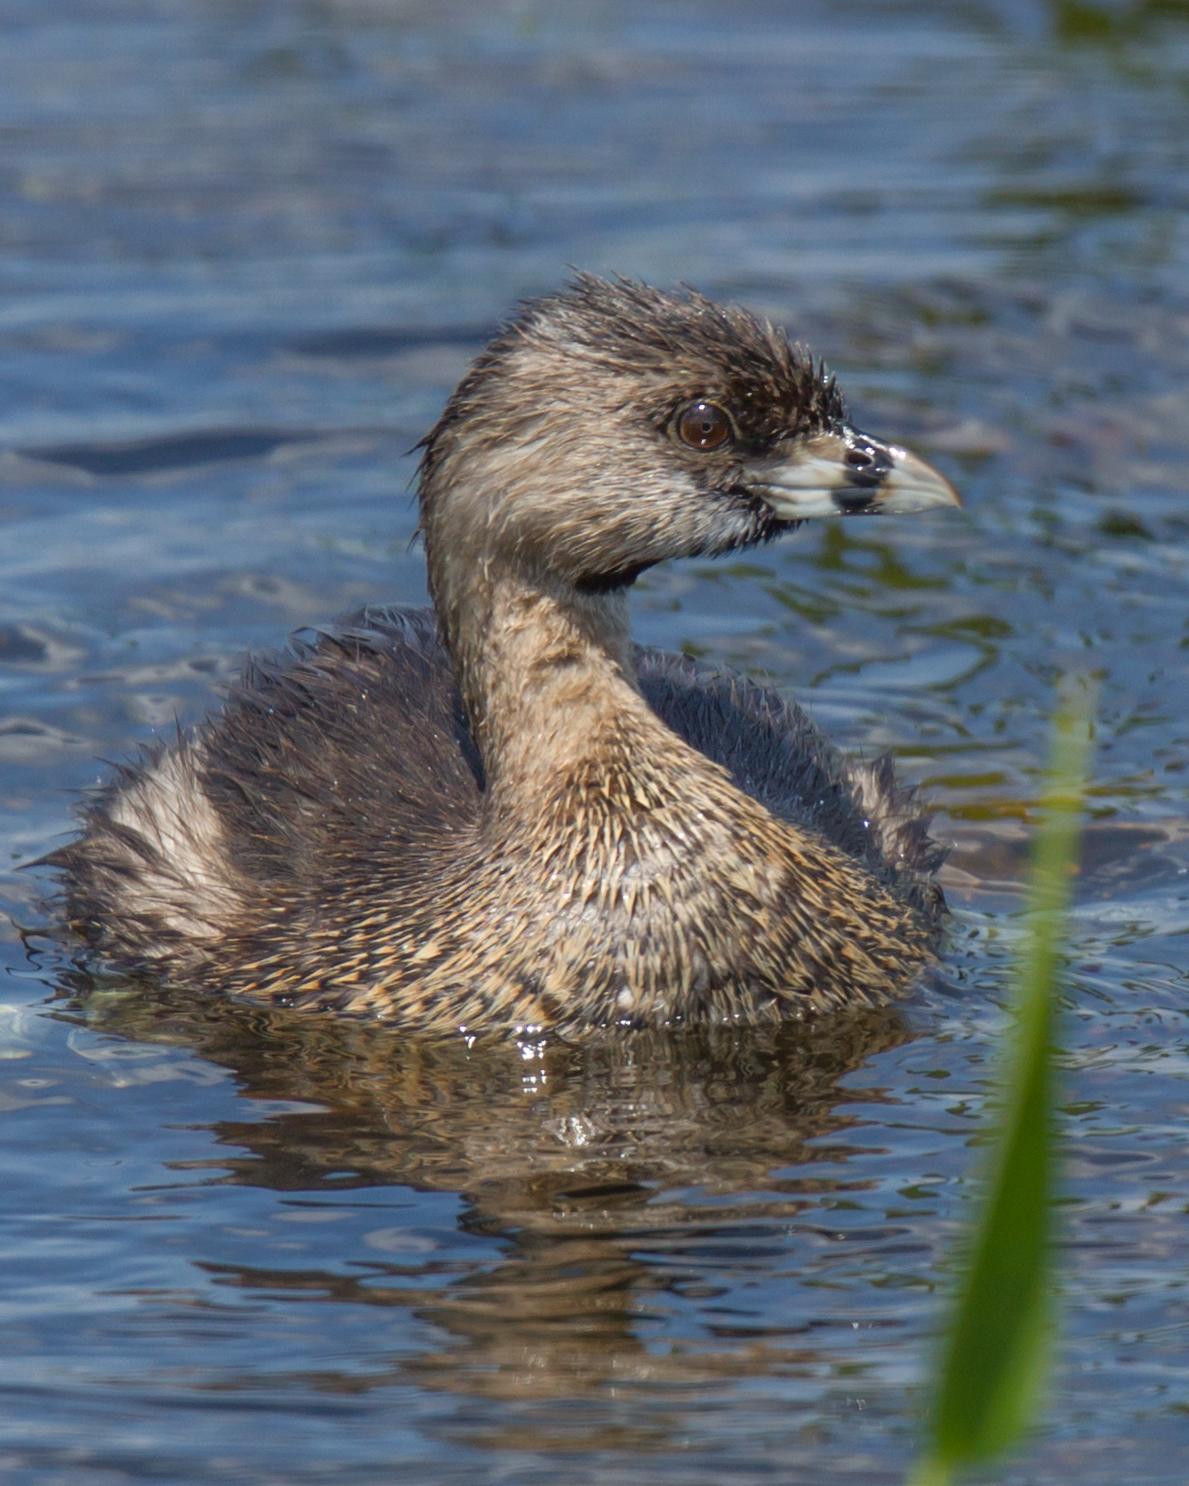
[(509, 816)]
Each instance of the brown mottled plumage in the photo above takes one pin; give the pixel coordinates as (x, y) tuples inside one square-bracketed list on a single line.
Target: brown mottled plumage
[(509, 816)]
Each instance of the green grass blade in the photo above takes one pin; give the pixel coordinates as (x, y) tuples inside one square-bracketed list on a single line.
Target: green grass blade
[(996, 1357)]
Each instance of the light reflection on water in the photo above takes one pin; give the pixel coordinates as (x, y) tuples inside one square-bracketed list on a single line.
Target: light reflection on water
[(247, 252)]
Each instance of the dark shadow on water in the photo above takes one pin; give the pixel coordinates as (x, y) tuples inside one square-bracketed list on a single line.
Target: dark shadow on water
[(172, 452)]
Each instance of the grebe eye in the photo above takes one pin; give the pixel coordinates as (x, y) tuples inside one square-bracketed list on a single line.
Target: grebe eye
[(703, 425)]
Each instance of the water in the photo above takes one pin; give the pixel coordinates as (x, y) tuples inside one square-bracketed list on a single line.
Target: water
[(247, 249)]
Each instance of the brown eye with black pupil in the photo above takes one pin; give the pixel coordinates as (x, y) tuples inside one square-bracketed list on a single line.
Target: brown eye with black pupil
[(703, 425)]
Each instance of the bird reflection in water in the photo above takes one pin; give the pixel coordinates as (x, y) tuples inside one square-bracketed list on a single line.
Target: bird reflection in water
[(618, 1175)]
